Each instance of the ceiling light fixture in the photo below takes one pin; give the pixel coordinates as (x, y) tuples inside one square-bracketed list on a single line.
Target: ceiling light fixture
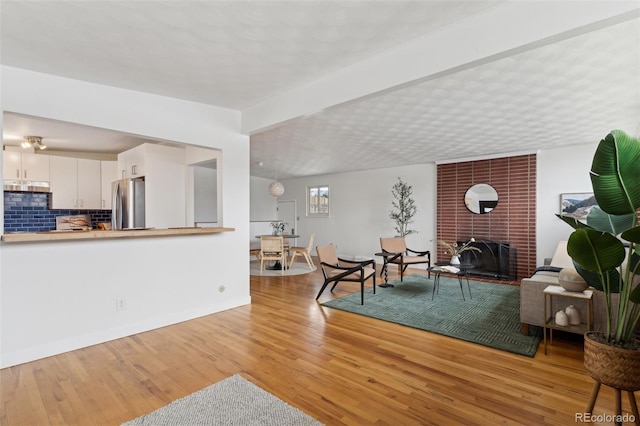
[(276, 188), (33, 141)]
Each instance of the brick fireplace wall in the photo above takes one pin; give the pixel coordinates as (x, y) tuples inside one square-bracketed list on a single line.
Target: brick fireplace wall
[(513, 220)]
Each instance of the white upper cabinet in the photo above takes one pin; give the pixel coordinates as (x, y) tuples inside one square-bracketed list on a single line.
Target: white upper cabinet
[(75, 183), (131, 163), (64, 183), (89, 184), (25, 166), (108, 174)]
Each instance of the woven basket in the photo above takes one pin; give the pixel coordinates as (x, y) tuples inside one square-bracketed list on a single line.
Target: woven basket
[(612, 366)]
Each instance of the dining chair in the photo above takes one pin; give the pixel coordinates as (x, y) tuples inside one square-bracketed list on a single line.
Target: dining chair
[(272, 248), (285, 235), (304, 252), (335, 269)]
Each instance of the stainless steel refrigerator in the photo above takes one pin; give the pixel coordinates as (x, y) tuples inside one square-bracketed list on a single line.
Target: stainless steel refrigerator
[(127, 204)]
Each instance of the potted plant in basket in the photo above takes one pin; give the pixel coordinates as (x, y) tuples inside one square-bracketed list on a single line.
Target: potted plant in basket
[(606, 254)]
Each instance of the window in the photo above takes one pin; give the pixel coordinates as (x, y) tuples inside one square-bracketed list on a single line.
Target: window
[(318, 200)]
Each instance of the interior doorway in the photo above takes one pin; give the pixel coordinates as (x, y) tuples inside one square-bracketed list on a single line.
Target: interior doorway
[(288, 214)]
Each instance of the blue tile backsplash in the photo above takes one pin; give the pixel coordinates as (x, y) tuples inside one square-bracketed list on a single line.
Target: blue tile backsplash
[(29, 212)]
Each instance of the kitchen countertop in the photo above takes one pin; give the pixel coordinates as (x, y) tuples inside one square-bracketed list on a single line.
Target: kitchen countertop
[(21, 237)]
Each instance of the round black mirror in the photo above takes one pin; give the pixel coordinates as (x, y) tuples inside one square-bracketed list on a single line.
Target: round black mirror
[(481, 198)]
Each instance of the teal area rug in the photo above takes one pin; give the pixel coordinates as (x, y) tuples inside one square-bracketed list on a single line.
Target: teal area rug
[(491, 318)]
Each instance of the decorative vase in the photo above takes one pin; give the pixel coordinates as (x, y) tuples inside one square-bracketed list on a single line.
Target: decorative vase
[(613, 366), (573, 313), (562, 318), (455, 260), (570, 280), (277, 232)]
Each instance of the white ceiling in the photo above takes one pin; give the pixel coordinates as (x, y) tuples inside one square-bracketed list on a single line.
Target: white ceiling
[(237, 54), (62, 136)]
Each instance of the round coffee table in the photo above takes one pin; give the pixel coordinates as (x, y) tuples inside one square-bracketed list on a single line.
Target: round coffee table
[(459, 271)]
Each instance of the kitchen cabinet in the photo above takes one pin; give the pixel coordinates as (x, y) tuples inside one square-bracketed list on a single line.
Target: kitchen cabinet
[(108, 174), (25, 166), (131, 163), (89, 184), (75, 183)]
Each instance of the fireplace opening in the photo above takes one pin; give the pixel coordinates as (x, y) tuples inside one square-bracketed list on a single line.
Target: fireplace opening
[(495, 260)]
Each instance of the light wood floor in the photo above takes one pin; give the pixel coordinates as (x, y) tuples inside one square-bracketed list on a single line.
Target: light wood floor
[(341, 368)]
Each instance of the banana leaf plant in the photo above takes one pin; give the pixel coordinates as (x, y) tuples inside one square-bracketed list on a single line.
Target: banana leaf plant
[(605, 250)]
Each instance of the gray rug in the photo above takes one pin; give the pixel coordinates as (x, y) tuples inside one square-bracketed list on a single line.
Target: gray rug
[(298, 268), (491, 318), (232, 401)]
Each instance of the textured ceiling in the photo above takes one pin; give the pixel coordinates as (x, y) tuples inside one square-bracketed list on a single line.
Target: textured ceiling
[(556, 95), (236, 54), (227, 53)]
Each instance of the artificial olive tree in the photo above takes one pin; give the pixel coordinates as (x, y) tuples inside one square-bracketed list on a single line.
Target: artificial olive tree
[(404, 208)]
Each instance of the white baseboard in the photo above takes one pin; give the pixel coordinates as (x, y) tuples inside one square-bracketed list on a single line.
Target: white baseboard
[(33, 353)]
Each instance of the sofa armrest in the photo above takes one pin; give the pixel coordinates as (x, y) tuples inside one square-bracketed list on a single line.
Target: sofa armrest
[(532, 297)]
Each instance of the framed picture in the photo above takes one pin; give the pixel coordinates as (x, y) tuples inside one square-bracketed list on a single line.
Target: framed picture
[(577, 205)]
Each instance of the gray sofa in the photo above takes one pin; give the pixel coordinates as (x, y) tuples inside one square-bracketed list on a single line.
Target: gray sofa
[(532, 297)]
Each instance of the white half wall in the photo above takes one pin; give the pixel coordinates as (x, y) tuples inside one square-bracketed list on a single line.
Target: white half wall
[(60, 296)]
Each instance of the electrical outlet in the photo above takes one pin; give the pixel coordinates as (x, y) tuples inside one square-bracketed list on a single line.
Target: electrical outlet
[(120, 305)]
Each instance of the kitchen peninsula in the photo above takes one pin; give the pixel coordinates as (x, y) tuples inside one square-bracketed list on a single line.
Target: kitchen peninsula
[(96, 234), (62, 295)]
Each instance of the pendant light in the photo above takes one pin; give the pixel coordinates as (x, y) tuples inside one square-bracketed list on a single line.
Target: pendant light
[(276, 188)]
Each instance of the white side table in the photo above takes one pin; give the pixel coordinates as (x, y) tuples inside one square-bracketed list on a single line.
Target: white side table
[(549, 321)]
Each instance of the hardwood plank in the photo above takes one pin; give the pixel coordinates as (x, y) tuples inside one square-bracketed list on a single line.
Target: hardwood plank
[(338, 367)]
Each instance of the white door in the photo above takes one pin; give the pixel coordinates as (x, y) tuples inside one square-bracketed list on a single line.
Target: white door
[(287, 214)]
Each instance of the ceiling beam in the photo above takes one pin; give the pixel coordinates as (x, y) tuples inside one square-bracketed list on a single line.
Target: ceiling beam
[(503, 30)]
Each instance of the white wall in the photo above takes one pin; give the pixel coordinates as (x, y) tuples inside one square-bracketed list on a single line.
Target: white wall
[(361, 202), (165, 186), (205, 194), (264, 206), (563, 170), (195, 157), (59, 296), (360, 207), (264, 209)]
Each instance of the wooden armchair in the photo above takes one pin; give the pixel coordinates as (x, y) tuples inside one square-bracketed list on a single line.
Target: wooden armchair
[(335, 270), (404, 257)]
